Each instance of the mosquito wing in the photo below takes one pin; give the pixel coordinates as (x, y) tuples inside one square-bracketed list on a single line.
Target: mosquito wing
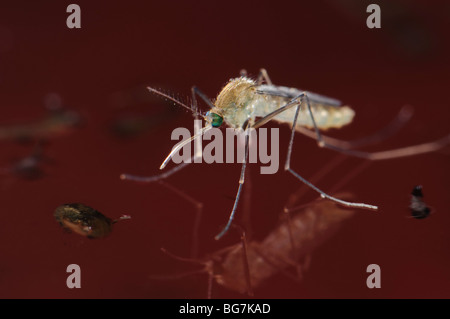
[(290, 93)]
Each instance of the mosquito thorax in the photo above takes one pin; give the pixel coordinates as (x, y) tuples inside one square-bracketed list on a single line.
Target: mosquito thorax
[(234, 100), (234, 91)]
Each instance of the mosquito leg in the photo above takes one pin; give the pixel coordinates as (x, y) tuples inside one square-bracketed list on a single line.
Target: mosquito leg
[(396, 153), (241, 182), (334, 199), (403, 116), (297, 101), (196, 90), (246, 215), (154, 178), (263, 77), (322, 194), (314, 180), (199, 211), (288, 208), (294, 102), (198, 205), (246, 267)]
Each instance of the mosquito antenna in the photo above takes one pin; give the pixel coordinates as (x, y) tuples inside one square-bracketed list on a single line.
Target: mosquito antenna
[(166, 96), (181, 144)]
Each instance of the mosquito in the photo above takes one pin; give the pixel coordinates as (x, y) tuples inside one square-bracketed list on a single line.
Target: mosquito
[(245, 104)]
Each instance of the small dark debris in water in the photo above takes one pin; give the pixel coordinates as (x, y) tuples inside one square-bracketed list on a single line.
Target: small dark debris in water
[(132, 125), (30, 168), (55, 123), (85, 220), (419, 209)]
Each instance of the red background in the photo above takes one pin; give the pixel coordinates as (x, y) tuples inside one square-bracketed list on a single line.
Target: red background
[(101, 71)]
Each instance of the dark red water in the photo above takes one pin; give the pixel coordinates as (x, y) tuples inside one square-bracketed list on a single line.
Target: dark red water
[(101, 71)]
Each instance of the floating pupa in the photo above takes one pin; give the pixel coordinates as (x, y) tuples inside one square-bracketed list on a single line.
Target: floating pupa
[(85, 220)]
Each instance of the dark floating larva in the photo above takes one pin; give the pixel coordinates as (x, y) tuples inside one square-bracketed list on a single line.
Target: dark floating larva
[(419, 208), (85, 220)]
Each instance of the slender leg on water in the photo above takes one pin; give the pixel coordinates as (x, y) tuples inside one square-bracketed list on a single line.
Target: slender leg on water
[(322, 194), (293, 198), (247, 200), (245, 260), (396, 153), (289, 209), (241, 182), (294, 102), (320, 141), (198, 216), (291, 140), (400, 152), (403, 116), (297, 101), (407, 151), (334, 199), (338, 159)]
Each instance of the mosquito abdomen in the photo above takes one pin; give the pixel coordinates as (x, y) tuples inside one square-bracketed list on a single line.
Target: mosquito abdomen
[(325, 116)]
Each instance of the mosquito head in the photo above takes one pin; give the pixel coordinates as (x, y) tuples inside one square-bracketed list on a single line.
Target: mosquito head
[(214, 119)]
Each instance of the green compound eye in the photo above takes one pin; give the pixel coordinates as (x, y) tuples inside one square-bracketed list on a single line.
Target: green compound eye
[(216, 120)]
